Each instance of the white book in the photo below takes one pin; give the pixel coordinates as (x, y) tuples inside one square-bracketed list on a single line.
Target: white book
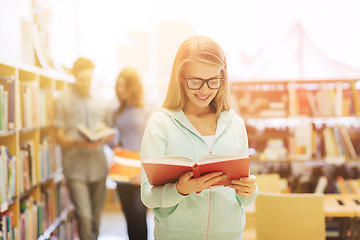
[(100, 132), (5, 116)]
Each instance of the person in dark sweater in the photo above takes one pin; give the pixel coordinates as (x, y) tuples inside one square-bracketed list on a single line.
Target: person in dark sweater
[(130, 118)]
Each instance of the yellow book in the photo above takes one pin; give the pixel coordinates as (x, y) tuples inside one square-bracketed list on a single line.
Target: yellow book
[(355, 99)]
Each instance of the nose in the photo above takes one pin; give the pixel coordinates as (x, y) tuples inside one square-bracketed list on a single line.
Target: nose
[(204, 87)]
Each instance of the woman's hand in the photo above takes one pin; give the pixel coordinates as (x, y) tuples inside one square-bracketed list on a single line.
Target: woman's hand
[(187, 184), (244, 187)]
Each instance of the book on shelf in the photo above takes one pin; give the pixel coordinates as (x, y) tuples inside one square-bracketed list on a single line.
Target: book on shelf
[(300, 144), (165, 169), (2, 108), (333, 149), (100, 132), (5, 113), (347, 186), (7, 226), (46, 110), (7, 84), (3, 183), (27, 166), (29, 101), (321, 185), (356, 99), (125, 165), (304, 107), (347, 143)]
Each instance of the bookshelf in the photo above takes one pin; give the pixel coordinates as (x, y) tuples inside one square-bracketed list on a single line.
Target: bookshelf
[(302, 129), (290, 114), (34, 200)]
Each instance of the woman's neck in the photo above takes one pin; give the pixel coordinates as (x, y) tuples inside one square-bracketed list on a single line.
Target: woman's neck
[(199, 111)]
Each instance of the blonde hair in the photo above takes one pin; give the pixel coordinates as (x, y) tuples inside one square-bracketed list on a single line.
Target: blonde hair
[(203, 49), (133, 88)]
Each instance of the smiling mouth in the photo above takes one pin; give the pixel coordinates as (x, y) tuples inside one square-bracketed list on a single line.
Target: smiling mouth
[(202, 98)]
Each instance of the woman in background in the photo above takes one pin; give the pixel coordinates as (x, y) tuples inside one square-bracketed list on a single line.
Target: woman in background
[(129, 118)]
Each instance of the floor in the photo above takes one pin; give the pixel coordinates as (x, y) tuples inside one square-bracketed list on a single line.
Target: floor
[(113, 226)]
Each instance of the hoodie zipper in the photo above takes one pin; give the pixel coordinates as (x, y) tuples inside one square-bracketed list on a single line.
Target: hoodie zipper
[(210, 152), (209, 203)]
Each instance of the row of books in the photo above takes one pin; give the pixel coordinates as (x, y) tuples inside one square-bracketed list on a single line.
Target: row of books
[(50, 161), (62, 198), (7, 103), (27, 166), (67, 230), (46, 211), (50, 157), (58, 222), (7, 226), (7, 177), (347, 186), (304, 141), (286, 99), (262, 103), (330, 143), (29, 219), (37, 216), (36, 105), (324, 100)]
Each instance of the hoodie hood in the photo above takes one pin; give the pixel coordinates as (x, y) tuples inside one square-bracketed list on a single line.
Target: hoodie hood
[(180, 117)]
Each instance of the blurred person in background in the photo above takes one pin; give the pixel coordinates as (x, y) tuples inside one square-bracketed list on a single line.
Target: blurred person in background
[(84, 163), (130, 119)]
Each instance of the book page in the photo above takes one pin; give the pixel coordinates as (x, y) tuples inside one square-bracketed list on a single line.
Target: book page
[(172, 160), (219, 158), (98, 134)]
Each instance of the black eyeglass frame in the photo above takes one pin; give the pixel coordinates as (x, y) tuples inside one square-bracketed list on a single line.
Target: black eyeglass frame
[(203, 82)]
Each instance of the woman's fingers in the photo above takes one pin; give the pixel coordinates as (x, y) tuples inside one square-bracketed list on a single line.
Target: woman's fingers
[(186, 176), (244, 187), (213, 179)]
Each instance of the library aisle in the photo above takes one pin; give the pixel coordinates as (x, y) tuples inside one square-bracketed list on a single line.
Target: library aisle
[(113, 225)]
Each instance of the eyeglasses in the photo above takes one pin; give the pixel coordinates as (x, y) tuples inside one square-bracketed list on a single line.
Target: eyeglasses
[(197, 83)]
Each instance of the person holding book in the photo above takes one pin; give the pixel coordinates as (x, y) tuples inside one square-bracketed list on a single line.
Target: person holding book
[(129, 119), (196, 120), (83, 161)]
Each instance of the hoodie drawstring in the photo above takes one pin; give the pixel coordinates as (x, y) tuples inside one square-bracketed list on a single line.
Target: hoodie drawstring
[(177, 124)]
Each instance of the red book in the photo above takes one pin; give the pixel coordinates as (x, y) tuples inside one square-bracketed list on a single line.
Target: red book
[(165, 169)]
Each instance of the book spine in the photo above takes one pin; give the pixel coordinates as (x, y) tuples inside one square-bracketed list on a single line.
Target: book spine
[(196, 170)]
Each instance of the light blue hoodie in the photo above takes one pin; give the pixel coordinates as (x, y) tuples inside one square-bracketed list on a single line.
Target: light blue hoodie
[(215, 213)]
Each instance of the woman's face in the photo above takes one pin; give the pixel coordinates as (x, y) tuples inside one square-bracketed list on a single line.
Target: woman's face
[(200, 98), (120, 89)]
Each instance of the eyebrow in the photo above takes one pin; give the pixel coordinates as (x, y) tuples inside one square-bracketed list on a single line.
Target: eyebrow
[(217, 76)]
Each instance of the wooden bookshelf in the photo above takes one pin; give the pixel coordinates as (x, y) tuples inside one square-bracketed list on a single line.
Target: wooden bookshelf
[(34, 200), (281, 117)]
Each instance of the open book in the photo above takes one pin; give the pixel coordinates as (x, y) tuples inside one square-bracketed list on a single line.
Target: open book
[(125, 165), (164, 169), (100, 132)]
